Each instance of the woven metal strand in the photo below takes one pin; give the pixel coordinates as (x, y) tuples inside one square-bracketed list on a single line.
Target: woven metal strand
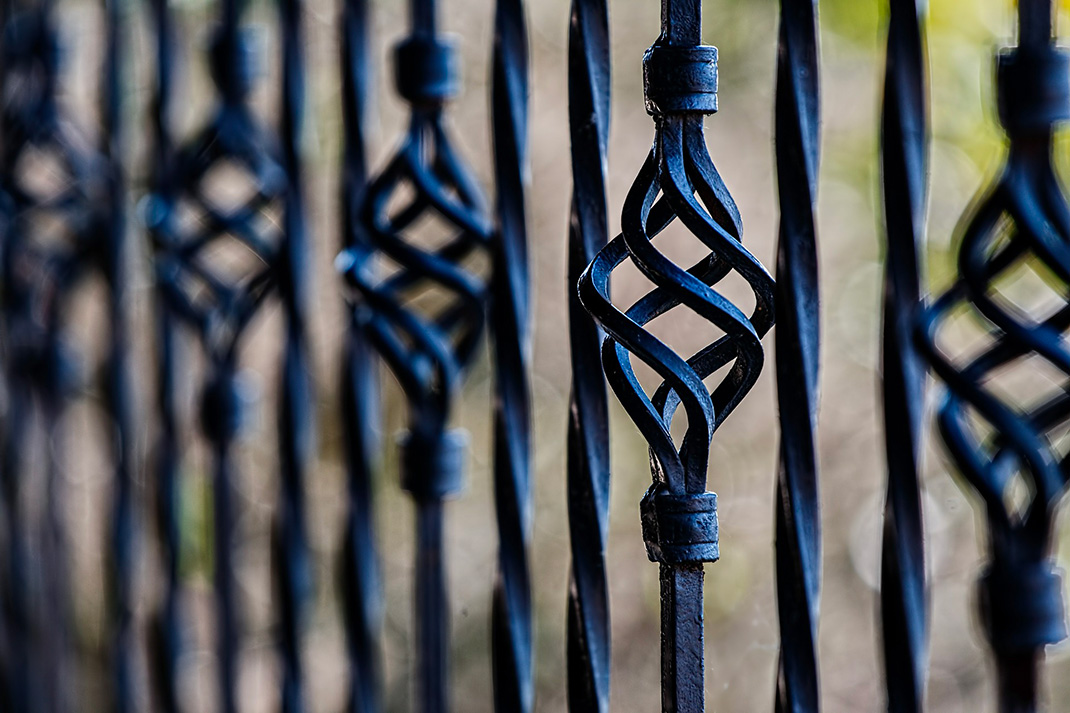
[(904, 162), (679, 180), (798, 520), (588, 425)]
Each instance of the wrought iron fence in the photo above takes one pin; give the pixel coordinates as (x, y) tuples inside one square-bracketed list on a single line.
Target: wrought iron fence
[(215, 220)]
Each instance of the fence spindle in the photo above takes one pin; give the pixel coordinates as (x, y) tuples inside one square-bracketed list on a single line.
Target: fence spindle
[(904, 163), (678, 179), (798, 517), (588, 424)]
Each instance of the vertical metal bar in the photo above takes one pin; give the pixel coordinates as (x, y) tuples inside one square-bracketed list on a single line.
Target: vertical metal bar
[(227, 634), (904, 164), (798, 519), (166, 633), (1034, 23), (511, 333), (125, 521), (589, 648), (53, 237), (361, 587), (297, 405), (432, 602)]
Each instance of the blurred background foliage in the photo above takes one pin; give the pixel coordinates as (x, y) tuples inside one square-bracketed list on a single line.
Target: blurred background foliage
[(741, 635)]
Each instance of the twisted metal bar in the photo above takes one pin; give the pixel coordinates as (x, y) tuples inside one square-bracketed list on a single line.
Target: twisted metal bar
[(218, 307), (679, 516), (54, 236), (1002, 447), (428, 347), (361, 587), (798, 521), (904, 163), (588, 427), (511, 630)]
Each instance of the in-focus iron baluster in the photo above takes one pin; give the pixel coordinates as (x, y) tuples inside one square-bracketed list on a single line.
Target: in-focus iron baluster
[(297, 405), (588, 426), (798, 520), (428, 348), (361, 586), (904, 163), (679, 516), (1008, 450), (512, 653), (218, 307)]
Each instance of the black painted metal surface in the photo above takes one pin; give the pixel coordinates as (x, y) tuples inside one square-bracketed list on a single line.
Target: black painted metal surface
[(678, 180), (511, 610), (798, 517), (1005, 447), (428, 348), (360, 578), (904, 164), (588, 425)]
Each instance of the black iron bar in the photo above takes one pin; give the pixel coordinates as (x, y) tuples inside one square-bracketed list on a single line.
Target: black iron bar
[(166, 633), (904, 164), (120, 387), (361, 587), (511, 613), (589, 650), (297, 405), (798, 516)]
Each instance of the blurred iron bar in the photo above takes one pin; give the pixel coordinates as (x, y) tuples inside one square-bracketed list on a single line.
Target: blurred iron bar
[(904, 164), (424, 212), (1023, 219), (361, 585), (199, 299)]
